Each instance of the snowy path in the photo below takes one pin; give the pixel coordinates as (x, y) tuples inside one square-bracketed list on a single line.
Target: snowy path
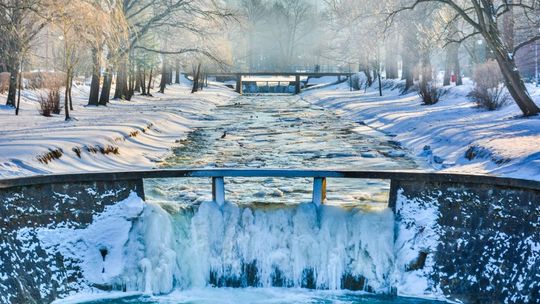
[(498, 142), (124, 135)]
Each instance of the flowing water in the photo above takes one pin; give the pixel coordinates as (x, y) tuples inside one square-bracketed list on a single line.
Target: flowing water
[(268, 243)]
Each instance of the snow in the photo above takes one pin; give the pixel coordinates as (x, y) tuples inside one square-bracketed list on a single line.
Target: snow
[(443, 133), (155, 249), (143, 130), (417, 231), (99, 247)]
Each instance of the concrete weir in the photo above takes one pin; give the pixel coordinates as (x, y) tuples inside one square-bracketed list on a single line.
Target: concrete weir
[(474, 238)]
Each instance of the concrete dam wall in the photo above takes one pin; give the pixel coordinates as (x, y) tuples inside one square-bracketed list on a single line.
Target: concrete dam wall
[(459, 237)]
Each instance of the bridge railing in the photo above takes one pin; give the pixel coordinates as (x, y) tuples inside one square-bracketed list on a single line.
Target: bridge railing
[(319, 177)]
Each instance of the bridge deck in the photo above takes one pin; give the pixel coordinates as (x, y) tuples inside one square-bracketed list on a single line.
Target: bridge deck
[(313, 74)]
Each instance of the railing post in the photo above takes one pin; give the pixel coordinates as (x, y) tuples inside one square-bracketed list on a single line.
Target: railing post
[(297, 85), (239, 84), (218, 190), (319, 190)]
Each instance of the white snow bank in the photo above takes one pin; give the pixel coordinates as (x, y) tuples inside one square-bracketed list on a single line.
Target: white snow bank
[(417, 232), (142, 130), (508, 144), (100, 247)]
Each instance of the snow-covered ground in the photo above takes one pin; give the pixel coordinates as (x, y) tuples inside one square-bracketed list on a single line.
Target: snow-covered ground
[(453, 135), (124, 135)]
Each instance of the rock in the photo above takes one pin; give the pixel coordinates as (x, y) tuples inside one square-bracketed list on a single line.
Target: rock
[(438, 160), (395, 153), (368, 155)]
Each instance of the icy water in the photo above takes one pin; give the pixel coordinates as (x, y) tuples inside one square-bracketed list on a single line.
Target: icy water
[(270, 131), (266, 296), (268, 243)]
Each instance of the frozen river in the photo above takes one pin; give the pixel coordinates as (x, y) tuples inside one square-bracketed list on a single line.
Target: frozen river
[(272, 131), (268, 244)]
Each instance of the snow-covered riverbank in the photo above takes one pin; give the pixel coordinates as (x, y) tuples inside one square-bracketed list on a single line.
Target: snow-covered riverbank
[(452, 135), (124, 135)]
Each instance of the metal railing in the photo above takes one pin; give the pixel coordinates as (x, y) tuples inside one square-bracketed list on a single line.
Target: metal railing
[(319, 177)]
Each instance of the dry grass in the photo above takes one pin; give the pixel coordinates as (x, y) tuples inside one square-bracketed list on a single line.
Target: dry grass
[(50, 156), (103, 150)]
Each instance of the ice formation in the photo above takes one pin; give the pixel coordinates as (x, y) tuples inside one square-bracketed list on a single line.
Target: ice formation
[(296, 246), (156, 249)]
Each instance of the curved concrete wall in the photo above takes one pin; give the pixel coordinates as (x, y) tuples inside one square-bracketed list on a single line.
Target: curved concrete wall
[(482, 246), (486, 246)]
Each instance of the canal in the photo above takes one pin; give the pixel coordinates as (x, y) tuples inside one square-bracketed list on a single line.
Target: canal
[(268, 244)]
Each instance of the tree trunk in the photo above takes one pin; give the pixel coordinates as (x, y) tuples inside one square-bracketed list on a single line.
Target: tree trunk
[(514, 83), (457, 67), (177, 70), (118, 91), (93, 99), (19, 95), (143, 82), (409, 55), (14, 76), (448, 66), (149, 83), (66, 95), (138, 81), (69, 92), (131, 83), (196, 79), (106, 91), (121, 80), (164, 76), (508, 26), (390, 58), (512, 79), (426, 68), (380, 83), (452, 64)]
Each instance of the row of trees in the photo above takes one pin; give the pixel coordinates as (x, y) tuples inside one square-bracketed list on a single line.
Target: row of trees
[(138, 41), (127, 39), (416, 37), (420, 29)]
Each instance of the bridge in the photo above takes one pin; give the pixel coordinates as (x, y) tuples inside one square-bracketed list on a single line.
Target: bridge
[(238, 76)]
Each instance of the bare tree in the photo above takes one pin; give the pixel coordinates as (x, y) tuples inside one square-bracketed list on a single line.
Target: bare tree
[(20, 22), (484, 17)]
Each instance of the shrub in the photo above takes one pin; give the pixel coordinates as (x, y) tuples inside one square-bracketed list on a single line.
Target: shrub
[(54, 97), (489, 92), (50, 103), (44, 80), (430, 92), (359, 81)]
